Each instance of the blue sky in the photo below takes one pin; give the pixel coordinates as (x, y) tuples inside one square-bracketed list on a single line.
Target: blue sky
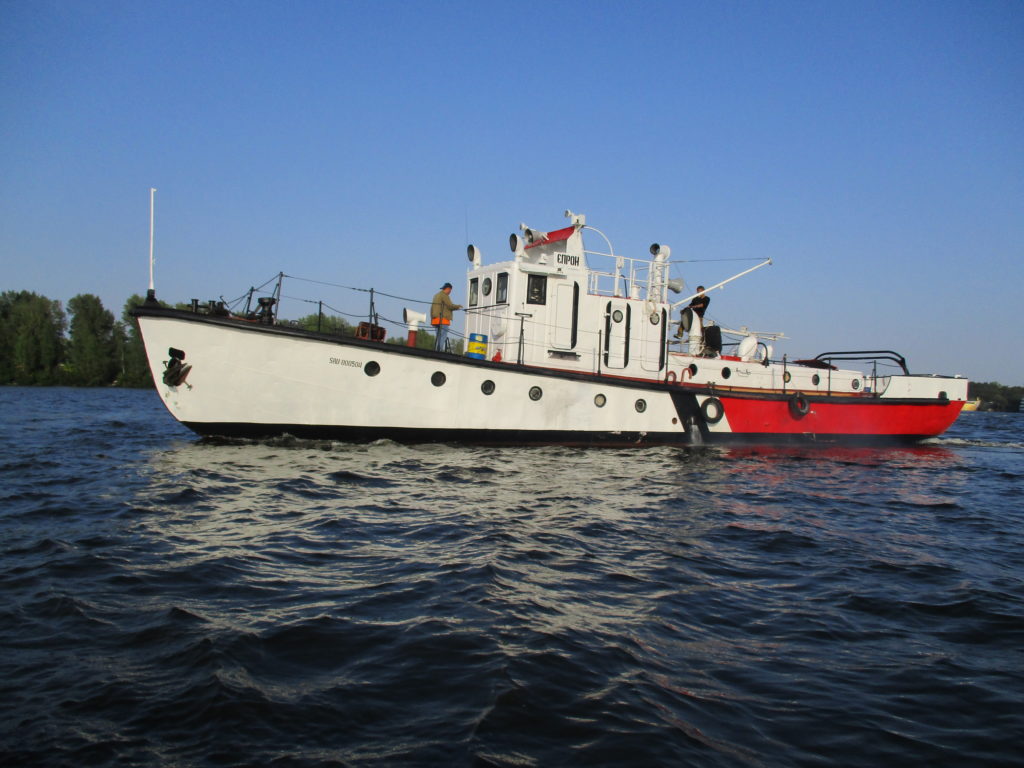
[(874, 150)]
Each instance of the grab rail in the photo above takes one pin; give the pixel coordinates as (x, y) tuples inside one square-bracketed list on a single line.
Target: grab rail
[(872, 354)]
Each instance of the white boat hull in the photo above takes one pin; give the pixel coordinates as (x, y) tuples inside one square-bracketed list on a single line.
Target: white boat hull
[(254, 381), (251, 380)]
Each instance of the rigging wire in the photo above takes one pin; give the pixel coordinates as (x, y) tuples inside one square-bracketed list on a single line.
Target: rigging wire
[(401, 324), (325, 305), (353, 288)]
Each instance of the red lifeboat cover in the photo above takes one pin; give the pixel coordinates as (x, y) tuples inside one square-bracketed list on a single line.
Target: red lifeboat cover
[(553, 237)]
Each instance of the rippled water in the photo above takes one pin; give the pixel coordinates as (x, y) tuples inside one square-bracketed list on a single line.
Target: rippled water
[(167, 601)]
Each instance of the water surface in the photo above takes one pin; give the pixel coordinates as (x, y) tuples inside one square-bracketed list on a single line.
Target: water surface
[(169, 601)]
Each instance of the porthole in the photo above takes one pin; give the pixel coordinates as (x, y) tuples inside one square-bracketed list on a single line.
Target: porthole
[(438, 379), (855, 384), (487, 387), (655, 318), (536, 393), (600, 400), (815, 379), (617, 315), (787, 377), (693, 369), (372, 368), (726, 372), (487, 286), (641, 406)]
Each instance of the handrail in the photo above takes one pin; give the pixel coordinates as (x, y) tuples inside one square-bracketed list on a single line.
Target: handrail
[(867, 354)]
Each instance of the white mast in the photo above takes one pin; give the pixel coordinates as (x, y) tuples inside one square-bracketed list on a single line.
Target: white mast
[(152, 195)]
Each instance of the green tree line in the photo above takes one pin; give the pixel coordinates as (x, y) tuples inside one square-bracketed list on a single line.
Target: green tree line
[(995, 397), (41, 346)]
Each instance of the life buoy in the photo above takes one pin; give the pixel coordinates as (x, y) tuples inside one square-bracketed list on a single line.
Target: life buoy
[(712, 410), (798, 406), (670, 377)]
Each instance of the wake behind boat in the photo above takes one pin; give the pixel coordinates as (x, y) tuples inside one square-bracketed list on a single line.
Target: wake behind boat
[(567, 346)]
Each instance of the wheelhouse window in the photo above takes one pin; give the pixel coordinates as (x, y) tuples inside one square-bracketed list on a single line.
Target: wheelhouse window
[(537, 289), (501, 289), (474, 288)]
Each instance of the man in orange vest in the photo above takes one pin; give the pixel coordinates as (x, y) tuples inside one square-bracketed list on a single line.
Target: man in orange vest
[(441, 310)]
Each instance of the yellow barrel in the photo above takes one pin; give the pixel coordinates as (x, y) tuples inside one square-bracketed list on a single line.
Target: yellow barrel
[(477, 346)]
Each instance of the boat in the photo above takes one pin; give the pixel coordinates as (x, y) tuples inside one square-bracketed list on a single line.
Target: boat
[(567, 346), (972, 405)]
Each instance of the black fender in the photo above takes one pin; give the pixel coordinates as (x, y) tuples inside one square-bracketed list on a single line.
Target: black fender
[(799, 406), (712, 410)]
